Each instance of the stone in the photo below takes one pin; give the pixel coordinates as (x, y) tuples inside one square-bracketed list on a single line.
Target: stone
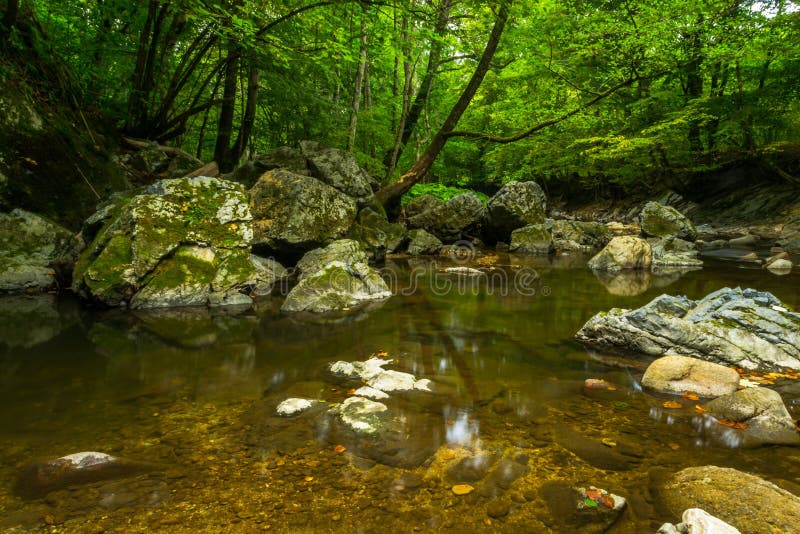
[(339, 169), (681, 374), (698, 521), (498, 508), (745, 328), (283, 157), (763, 411), (420, 204), (363, 416), (658, 220), (293, 212), (180, 242), (745, 241), (451, 221), (336, 286), (34, 252), (376, 234), (744, 501), (294, 406), (578, 236), (371, 393), (346, 251), (37, 480), (471, 468), (421, 243), (782, 266), (515, 205), (673, 252), (532, 239), (581, 509), (622, 253)]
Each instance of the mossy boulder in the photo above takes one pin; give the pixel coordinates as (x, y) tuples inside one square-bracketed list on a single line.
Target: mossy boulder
[(339, 169), (294, 213), (532, 239), (658, 220), (283, 157), (347, 251), (336, 286), (34, 252), (674, 252), (421, 242), (181, 242), (420, 204), (515, 205), (376, 234), (579, 236), (623, 253), (456, 219)]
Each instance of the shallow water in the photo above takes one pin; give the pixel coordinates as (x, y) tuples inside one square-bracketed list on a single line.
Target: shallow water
[(191, 395)]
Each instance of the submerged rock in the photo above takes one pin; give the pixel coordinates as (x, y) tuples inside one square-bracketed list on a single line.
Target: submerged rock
[(680, 374), (745, 501), (532, 239), (39, 479), (658, 220), (581, 509), (762, 411), (747, 328), (362, 415), (515, 205), (182, 242), (338, 285), (293, 212), (33, 252), (622, 253), (294, 406)]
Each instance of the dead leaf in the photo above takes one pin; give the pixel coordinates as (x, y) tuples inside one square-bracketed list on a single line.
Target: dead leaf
[(351, 391), (690, 396), (382, 354), (732, 424), (674, 446), (699, 409), (462, 489), (672, 405), (339, 449), (608, 442)]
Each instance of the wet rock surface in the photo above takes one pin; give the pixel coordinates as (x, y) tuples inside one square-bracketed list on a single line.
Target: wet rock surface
[(681, 374), (658, 220), (336, 286), (532, 239), (515, 205), (421, 243), (748, 328), (762, 413), (451, 221), (588, 237), (623, 253)]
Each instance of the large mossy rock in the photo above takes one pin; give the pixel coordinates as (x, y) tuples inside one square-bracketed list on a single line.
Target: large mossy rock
[(515, 205), (336, 286), (579, 236), (293, 212), (743, 500), (532, 239), (747, 328), (422, 243), (420, 204), (766, 419), (674, 252), (339, 169), (181, 242), (283, 157), (347, 251), (622, 253), (376, 234), (33, 252), (455, 219), (658, 220)]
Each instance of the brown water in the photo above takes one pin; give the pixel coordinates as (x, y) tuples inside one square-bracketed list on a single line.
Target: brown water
[(192, 395)]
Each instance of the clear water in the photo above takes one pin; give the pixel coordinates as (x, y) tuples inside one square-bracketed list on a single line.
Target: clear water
[(191, 394)]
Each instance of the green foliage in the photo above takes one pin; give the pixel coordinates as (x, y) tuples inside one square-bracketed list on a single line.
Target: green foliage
[(440, 192)]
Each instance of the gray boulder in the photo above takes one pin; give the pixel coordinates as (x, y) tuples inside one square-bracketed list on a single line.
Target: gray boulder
[(578, 236), (515, 205), (451, 221), (33, 252), (680, 374), (336, 286), (293, 212), (376, 234), (346, 251), (745, 328), (746, 502), (421, 243), (674, 252), (532, 239), (658, 220), (182, 242), (622, 253), (420, 204), (339, 169), (698, 521), (283, 157), (763, 411)]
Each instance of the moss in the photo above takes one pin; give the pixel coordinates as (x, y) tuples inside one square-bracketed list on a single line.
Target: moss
[(106, 277), (181, 269)]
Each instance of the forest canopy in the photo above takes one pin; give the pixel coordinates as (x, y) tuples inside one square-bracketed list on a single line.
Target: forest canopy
[(594, 94)]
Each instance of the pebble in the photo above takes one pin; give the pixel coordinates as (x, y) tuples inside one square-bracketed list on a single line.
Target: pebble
[(498, 508)]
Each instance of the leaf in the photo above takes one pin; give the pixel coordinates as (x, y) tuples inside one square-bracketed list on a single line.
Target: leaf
[(462, 489), (673, 405), (674, 446), (590, 503), (690, 396), (382, 354), (732, 424), (699, 409), (608, 443), (339, 449)]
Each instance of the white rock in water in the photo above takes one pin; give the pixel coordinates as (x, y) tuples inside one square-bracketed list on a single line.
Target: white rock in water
[(392, 381), (463, 270), (698, 521), (343, 369), (294, 406), (780, 266), (423, 384), (362, 415), (371, 368), (372, 393), (81, 460)]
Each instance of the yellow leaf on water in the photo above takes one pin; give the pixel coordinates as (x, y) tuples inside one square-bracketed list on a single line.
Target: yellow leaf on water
[(672, 405), (462, 489), (690, 396), (699, 409), (339, 449)]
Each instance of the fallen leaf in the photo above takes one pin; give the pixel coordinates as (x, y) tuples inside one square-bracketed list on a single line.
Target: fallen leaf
[(612, 388), (699, 409), (309, 479), (690, 396), (607, 501), (589, 502), (351, 391), (672, 404), (451, 422), (462, 489), (345, 309), (594, 494), (382, 354), (674, 446), (732, 424), (339, 449)]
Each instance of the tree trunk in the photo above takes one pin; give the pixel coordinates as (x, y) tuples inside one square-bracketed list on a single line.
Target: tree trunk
[(359, 82), (407, 81), (434, 56), (390, 195), (9, 20), (694, 84), (249, 115), (223, 154)]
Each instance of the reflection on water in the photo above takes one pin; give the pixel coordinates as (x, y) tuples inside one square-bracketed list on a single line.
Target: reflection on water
[(194, 392)]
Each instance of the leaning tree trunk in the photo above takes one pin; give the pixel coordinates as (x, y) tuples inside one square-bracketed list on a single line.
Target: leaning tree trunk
[(390, 195), (359, 82)]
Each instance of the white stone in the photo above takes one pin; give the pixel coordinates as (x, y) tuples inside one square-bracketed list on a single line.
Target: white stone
[(82, 460), (392, 381), (780, 266), (698, 521), (294, 406), (361, 414), (463, 270), (341, 368), (423, 384), (372, 393)]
